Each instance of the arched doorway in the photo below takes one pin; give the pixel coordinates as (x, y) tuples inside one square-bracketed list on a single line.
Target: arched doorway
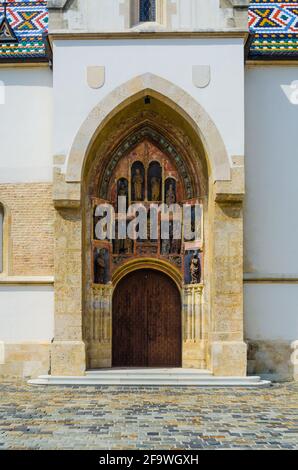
[(146, 322), (148, 169), (194, 155)]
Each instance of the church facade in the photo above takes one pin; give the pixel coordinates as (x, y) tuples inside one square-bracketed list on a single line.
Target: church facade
[(160, 102)]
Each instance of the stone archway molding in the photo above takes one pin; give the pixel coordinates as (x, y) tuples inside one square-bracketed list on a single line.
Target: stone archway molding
[(176, 98), (148, 263), (220, 332)]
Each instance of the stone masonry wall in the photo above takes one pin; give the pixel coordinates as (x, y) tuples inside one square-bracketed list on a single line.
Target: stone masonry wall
[(31, 228)]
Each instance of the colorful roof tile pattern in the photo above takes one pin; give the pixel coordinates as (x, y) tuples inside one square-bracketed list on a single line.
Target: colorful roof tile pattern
[(274, 28), (29, 22)]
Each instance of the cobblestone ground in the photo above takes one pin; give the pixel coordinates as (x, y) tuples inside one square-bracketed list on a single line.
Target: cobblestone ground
[(148, 418)]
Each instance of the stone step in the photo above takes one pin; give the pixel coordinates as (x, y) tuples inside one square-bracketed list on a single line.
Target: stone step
[(151, 377), (137, 372)]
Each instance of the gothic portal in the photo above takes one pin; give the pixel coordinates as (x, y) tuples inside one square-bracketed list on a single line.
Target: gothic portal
[(140, 320), (149, 151)]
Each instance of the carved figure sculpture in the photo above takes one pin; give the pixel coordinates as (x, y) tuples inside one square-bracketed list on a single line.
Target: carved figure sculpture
[(122, 189), (99, 268), (195, 270), (155, 188), (170, 196), (138, 185)]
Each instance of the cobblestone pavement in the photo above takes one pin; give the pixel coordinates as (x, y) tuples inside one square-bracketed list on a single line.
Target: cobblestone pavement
[(148, 418)]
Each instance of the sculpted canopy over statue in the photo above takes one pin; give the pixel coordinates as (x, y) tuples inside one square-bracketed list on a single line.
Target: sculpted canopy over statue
[(138, 181)]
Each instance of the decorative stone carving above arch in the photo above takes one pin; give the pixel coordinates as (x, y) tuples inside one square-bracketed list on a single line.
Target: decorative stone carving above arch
[(176, 98), (133, 140)]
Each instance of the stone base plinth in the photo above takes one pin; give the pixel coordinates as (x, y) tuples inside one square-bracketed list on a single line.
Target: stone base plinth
[(229, 358), (194, 354), (68, 358), (24, 360), (99, 355)]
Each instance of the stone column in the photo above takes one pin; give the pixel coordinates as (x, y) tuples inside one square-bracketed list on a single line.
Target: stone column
[(99, 332), (68, 348), (228, 352), (193, 323)]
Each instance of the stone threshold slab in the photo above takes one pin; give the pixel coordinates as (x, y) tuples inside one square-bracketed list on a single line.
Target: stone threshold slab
[(152, 377)]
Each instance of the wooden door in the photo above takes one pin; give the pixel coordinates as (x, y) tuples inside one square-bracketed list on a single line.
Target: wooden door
[(146, 321)]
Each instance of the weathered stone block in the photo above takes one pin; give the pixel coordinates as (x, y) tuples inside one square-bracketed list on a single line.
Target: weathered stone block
[(24, 360), (229, 358), (68, 358), (272, 359)]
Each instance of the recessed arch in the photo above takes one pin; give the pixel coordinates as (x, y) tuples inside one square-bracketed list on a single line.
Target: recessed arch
[(158, 138), (147, 263), (173, 96)]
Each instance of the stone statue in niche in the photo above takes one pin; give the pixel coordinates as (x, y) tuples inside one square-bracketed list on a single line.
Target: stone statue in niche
[(170, 191), (175, 242), (154, 181), (124, 246), (192, 267), (123, 187), (165, 247), (122, 190), (175, 246), (193, 223), (171, 245), (155, 188), (138, 181), (101, 262), (195, 269)]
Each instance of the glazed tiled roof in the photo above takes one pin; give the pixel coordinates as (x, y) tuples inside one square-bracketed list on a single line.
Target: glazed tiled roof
[(25, 37), (274, 29)]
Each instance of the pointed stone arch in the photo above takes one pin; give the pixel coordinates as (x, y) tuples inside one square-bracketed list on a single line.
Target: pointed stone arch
[(222, 335), (218, 161)]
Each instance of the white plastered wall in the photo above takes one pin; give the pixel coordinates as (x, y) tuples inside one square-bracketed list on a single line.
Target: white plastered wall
[(271, 222), (171, 59), (25, 124), (26, 313)]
